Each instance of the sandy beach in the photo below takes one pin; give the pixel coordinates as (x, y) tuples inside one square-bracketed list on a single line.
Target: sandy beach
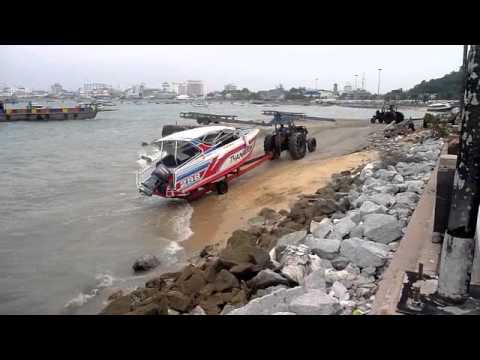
[(279, 182)]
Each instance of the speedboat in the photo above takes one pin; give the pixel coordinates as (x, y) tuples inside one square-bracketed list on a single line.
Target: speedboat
[(438, 107), (190, 161)]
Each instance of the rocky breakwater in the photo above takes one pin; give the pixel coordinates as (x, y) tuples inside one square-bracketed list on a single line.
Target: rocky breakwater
[(339, 258), (325, 256)]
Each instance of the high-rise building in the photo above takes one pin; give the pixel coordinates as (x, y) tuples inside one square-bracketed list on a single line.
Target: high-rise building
[(194, 88), (56, 89), (230, 87), (166, 87), (182, 89), (335, 88)]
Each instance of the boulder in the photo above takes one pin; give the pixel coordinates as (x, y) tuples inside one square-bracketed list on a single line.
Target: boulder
[(314, 302), (381, 228), (193, 284), (265, 279), (293, 238), (343, 276), (386, 175), (383, 199), (256, 221), (272, 303), (340, 262), (344, 226), (369, 207), (179, 301), (241, 238), (197, 310), (270, 215), (325, 248), (364, 253), (386, 189), (262, 292), (398, 179), (145, 263), (321, 229), (315, 280), (340, 291), (245, 254), (245, 271), (296, 262), (415, 186), (357, 231), (225, 280), (407, 200)]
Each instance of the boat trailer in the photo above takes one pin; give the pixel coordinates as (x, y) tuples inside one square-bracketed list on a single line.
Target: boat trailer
[(242, 169)]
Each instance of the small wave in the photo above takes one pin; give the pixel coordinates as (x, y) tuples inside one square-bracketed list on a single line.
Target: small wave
[(181, 222), (102, 281)]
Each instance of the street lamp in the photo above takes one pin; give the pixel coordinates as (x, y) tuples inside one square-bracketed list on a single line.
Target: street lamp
[(378, 90)]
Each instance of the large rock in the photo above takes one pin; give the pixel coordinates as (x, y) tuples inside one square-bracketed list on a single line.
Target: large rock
[(407, 200), (225, 280), (297, 262), (383, 199), (321, 229), (315, 280), (241, 238), (314, 302), (381, 228), (344, 226), (340, 291), (272, 303), (267, 278), (386, 175), (145, 263), (415, 186), (245, 254), (364, 253), (262, 292), (340, 263), (325, 248), (293, 238), (369, 207)]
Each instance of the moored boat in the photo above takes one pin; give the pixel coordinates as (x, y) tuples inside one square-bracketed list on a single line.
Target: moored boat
[(42, 113)]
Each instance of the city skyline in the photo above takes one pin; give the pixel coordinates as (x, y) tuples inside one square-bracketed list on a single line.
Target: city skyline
[(253, 67)]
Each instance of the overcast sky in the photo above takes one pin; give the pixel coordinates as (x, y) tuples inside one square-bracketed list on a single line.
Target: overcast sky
[(255, 67)]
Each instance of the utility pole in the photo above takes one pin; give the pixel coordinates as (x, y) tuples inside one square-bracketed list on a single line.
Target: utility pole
[(378, 90), (464, 72), (458, 244)]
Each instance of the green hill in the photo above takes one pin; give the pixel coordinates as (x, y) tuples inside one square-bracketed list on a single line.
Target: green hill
[(446, 87)]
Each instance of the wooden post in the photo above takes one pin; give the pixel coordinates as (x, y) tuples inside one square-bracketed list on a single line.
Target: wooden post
[(458, 245)]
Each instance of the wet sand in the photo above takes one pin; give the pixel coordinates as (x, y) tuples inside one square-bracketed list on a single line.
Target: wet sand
[(277, 183)]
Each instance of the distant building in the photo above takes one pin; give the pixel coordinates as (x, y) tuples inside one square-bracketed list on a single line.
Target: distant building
[(272, 95), (194, 88), (56, 89), (136, 91), (335, 88), (166, 87), (96, 90), (347, 88), (182, 89), (230, 87)]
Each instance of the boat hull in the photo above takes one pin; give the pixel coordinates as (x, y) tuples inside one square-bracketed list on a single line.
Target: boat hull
[(50, 116)]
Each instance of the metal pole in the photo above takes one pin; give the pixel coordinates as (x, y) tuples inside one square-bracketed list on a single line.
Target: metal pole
[(458, 245), (378, 90)]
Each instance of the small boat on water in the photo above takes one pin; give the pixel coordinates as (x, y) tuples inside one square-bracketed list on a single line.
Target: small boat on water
[(439, 107), (37, 112), (204, 104)]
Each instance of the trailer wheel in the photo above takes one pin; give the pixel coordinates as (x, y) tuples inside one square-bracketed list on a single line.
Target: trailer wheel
[(311, 144), (221, 187), (297, 146)]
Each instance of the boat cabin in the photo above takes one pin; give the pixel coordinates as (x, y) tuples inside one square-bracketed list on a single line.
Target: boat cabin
[(179, 148)]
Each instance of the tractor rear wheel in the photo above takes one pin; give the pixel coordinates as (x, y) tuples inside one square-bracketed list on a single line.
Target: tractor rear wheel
[(297, 146), (311, 144), (221, 187)]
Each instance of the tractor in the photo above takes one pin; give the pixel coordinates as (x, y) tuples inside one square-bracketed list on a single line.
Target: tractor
[(288, 136), (387, 116)]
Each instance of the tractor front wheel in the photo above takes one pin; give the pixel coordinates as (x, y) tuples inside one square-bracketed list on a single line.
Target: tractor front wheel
[(221, 187), (311, 144)]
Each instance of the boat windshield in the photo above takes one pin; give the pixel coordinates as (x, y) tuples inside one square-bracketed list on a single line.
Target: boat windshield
[(176, 153)]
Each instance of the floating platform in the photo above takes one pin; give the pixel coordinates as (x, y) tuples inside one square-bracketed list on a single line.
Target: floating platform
[(46, 114)]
